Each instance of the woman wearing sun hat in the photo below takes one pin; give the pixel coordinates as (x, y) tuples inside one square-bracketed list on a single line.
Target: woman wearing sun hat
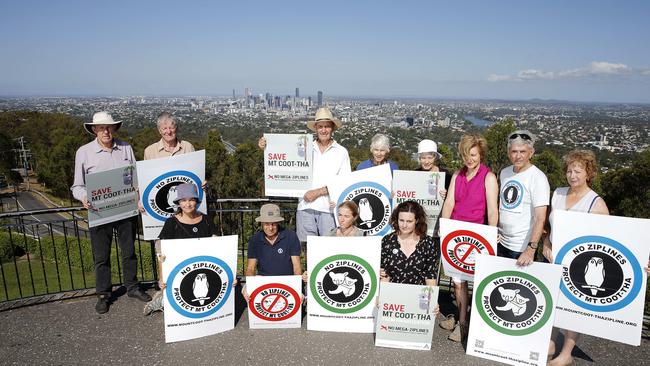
[(187, 223)]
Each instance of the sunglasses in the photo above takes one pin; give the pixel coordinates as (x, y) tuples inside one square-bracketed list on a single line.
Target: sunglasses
[(522, 135)]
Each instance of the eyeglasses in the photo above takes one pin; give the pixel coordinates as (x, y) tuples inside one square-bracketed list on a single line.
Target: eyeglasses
[(523, 136)]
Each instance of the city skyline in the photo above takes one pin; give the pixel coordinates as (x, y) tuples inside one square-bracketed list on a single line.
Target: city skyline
[(579, 51)]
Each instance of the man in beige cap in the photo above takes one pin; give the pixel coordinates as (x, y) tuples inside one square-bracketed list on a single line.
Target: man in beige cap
[(273, 251), (314, 216), (104, 153)]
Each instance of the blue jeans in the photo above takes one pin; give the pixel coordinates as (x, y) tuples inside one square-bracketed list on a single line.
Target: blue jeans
[(101, 238), (507, 253)]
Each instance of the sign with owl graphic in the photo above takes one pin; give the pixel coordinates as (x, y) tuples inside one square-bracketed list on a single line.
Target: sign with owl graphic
[(512, 310), (370, 190), (603, 283), (158, 179), (199, 276), (343, 283)]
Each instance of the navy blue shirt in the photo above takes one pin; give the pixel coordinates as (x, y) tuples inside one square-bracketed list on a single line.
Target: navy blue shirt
[(274, 260)]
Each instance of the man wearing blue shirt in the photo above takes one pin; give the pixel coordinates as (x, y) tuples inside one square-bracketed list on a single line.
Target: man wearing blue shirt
[(273, 251)]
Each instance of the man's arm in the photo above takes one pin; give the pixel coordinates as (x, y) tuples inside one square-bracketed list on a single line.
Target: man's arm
[(251, 265), (79, 184), (297, 267), (528, 255)]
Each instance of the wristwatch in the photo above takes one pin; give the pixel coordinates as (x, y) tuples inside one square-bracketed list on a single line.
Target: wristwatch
[(533, 246)]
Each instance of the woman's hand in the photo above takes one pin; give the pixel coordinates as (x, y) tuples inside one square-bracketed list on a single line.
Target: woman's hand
[(383, 277), (435, 310), (245, 293), (443, 193), (162, 284), (304, 277)]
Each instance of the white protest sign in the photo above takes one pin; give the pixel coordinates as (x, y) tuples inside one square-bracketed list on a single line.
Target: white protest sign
[(405, 318), (343, 283), (461, 242), (287, 165), (423, 188), (158, 179), (512, 310), (603, 283), (370, 190), (199, 297), (113, 195), (275, 301)]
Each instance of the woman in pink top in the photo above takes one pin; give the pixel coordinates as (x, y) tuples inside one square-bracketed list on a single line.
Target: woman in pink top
[(472, 197)]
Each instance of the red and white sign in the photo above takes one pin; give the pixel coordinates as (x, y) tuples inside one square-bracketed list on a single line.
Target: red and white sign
[(275, 301), (461, 242)]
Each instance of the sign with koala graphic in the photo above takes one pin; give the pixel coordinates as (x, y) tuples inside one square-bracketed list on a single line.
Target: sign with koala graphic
[(343, 283), (199, 296), (512, 306), (370, 190), (158, 179), (603, 285)]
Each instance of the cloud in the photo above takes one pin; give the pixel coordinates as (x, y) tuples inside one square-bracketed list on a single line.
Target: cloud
[(593, 69)]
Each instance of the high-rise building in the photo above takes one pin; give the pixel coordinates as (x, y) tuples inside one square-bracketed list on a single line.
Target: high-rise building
[(297, 93), (233, 94), (247, 92), (320, 99), (409, 121)]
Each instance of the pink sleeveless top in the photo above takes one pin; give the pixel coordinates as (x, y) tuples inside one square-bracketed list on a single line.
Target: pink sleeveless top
[(471, 203)]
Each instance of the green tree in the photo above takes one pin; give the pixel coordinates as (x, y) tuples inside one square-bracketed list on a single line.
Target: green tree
[(497, 136), (626, 190), (216, 162), (550, 164), (57, 172)]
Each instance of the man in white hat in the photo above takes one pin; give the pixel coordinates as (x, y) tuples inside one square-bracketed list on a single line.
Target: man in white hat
[(314, 216), (523, 201), (104, 153)]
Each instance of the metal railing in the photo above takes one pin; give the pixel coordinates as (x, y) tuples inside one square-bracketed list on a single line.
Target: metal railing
[(46, 255)]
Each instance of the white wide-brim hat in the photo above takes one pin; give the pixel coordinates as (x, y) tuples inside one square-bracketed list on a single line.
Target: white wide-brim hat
[(324, 114), (101, 118), (428, 146)]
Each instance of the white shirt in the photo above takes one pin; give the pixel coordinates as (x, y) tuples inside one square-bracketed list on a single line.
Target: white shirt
[(327, 165), (520, 194), (558, 202)]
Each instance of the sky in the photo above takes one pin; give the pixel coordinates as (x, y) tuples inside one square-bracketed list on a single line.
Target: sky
[(566, 50)]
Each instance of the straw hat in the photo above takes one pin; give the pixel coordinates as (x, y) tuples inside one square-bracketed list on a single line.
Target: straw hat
[(324, 114), (101, 118)]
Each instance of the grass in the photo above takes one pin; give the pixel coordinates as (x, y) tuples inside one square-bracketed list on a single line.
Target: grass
[(44, 277)]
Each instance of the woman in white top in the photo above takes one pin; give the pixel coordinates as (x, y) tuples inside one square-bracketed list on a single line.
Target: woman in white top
[(580, 167)]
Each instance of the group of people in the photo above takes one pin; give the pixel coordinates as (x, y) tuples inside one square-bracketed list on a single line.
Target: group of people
[(517, 202)]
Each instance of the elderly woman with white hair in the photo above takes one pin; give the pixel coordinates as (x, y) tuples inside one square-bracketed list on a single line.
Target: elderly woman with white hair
[(169, 144), (379, 147)]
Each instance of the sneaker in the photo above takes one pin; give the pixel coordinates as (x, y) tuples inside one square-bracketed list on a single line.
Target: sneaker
[(140, 295), (102, 304), (156, 304), (448, 323), (455, 335)]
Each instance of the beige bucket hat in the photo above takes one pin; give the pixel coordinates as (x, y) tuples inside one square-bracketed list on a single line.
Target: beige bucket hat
[(270, 213)]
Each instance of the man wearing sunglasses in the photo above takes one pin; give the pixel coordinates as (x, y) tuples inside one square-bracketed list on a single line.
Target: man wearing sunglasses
[(523, 201)]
